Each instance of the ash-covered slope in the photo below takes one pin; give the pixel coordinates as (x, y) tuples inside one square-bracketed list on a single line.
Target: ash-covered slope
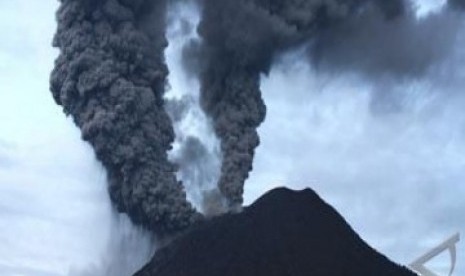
[(283, 233)]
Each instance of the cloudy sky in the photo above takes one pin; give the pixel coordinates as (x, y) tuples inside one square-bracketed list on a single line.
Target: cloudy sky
[(396, 175)]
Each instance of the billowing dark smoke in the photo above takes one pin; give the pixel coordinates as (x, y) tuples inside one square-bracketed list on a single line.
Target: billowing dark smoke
[(110, 76), (405, 47), (387, 53), (240, 40)]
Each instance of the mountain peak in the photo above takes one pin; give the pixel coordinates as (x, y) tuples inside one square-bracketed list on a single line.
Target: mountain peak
[(285, 232)]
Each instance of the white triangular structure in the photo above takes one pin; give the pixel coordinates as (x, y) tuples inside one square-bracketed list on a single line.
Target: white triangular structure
[(450, 244)]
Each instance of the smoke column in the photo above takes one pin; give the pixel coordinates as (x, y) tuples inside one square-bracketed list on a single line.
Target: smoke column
[(239, 42), (110, 76)]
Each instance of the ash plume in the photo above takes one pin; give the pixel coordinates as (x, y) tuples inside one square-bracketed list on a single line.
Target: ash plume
[(240, 40), (402, 48), (458, 4), (110, 77), (386, 53)]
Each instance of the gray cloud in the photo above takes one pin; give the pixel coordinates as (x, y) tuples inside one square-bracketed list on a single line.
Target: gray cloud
[(196, 164), (401, 48), (459, 4), (389, 52), (233, 54)]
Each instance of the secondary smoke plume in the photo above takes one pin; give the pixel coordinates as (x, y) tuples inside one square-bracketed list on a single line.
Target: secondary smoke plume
[(403, 48), (386, 53), (110, 76), (240, 40), (459, 4)]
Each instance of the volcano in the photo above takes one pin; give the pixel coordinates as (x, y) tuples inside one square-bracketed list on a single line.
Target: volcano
[(284, 232)]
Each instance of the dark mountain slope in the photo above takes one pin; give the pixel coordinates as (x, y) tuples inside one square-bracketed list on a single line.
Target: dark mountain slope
[(283, 233)]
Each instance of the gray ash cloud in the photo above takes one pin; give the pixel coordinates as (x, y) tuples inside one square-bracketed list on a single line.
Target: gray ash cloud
[(110, 77), (384, 41), (240, 40), (388, 52), (402, 48), (458, 4)]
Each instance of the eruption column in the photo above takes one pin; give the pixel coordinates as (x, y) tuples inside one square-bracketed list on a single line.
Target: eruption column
[(240, 40), (110, 77)]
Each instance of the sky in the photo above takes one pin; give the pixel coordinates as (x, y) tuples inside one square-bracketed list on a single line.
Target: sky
[(397, 177)]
